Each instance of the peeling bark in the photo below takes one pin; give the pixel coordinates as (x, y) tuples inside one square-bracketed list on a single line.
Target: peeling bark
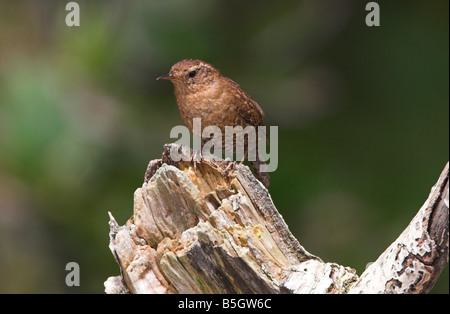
[(211, 227), (414, 261)]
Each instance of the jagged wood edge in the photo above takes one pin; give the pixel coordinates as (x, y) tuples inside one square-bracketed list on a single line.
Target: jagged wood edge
[(437, 224)]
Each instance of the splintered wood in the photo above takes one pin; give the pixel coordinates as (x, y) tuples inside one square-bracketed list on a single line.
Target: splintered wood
[(211, 227), (206, 231)]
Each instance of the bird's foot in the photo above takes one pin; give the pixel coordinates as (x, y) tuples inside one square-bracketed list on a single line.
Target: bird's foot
[(230, 167)]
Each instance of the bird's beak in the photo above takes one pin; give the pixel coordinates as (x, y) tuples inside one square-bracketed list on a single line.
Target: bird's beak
[(165, 77)]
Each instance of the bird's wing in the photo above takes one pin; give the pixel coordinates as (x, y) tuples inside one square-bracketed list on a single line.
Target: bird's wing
[(248, 109)]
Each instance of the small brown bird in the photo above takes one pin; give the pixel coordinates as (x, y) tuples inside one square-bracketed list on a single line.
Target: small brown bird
[(203, 92)]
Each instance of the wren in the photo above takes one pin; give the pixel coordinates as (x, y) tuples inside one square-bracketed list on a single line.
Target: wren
[(201, 91)]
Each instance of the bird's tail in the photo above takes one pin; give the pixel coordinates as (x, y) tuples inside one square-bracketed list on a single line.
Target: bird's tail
[(261, 176)]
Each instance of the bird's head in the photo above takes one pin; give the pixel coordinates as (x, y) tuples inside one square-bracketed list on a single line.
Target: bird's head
[(192, 75)]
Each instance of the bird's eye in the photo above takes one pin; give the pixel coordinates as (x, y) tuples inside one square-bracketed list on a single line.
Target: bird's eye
[(192, 74)]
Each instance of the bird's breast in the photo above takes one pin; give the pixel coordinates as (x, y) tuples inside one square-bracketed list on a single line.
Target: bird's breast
[(210, 105)]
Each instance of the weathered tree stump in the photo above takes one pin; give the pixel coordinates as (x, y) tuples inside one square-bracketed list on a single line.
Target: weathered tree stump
[(213, 228)]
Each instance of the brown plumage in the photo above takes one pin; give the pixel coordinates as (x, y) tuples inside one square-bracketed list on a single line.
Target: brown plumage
[(203, 92)]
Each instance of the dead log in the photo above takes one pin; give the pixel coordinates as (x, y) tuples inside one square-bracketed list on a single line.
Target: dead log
[(211, 227)]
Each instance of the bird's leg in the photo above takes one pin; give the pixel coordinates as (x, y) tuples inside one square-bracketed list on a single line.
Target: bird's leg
[(196, 156), (245, 157)]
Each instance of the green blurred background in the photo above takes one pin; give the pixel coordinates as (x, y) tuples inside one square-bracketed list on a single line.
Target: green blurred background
[(363, 116)]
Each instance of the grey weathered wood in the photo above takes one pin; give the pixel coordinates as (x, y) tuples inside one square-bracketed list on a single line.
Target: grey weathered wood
[(211, 227), (413, 262)]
